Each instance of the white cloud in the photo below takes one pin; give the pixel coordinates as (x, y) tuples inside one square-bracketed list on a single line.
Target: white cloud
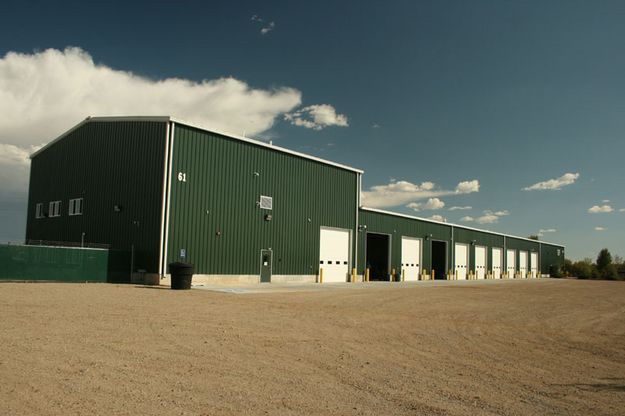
[(265, 28), (437, 217), (542, 232), (375, 126), (403, 192), (317, 117), (468, 187), (621, 210), (600, 229), (268, 28), (554, 184), (606, 201), (14, 170), (460, 208), (44, 93), (489, 217), (431, 204), (600, 209)]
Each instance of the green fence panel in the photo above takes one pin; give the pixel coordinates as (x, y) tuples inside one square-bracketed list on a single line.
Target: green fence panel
[(66, 264)]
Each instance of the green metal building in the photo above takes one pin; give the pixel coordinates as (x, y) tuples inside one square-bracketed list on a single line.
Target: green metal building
[(158, 190)]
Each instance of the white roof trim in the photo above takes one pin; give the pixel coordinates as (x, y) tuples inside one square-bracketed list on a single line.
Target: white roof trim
[(197, 126), (264, 144), (397, 214)]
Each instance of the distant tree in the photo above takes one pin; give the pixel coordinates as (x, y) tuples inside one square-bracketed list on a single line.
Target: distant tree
[(583, 269), (605, 268), (618, 260), (567, 269), (533, 237)]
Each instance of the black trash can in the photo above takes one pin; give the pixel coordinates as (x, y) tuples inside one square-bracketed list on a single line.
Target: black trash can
[(181, 275)]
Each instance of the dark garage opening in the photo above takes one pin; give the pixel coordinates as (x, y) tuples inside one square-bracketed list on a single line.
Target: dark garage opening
[(378, 256), (439, 259)]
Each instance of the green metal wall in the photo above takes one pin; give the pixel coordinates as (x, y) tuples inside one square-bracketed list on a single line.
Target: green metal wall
[(397, 227), (214, 214), (53, 263), (476, 238), (106, 164), (551, 255)]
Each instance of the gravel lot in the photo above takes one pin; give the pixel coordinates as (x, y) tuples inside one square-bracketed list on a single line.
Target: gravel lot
[(543, 347)]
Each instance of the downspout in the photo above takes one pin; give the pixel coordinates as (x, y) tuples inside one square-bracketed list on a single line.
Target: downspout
[(356, 236), (163, 203), (168, 205), (453, 251)]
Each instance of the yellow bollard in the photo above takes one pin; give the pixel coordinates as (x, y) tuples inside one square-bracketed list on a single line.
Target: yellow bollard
[(470, 274), (392, 275), (354, 275), (403, 275), (367, 274), (449, 275), (433, 274), (320, 274)]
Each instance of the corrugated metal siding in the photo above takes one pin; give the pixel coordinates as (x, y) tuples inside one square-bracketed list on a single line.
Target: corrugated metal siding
[(465, 236), (106, 164), (549, 257), (397, 227), (214, 215), (521, 245)]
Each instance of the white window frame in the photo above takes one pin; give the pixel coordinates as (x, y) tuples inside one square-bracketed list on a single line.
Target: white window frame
[(75, 206), (54, 209), (39, 210)]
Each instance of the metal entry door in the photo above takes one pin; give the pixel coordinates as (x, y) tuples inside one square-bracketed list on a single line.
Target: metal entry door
[(265, 265)]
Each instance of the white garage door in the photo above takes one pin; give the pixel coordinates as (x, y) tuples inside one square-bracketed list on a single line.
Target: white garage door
[(511, 263), (534, 264), (496, 254), (523, 264), (480, 262), (410, 257), (334, 254), (462, 261)]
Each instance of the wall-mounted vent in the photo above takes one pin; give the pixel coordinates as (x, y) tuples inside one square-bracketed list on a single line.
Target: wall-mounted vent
[(266, 202)]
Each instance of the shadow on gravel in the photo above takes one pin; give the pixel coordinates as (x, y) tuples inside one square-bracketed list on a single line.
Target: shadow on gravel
[(618, 387)]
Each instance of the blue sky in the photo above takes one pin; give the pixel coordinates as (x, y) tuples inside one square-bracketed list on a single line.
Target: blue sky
[(424, 96)]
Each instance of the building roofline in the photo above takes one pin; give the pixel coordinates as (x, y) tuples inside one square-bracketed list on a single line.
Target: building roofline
[(166, 119), (412, 217)]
